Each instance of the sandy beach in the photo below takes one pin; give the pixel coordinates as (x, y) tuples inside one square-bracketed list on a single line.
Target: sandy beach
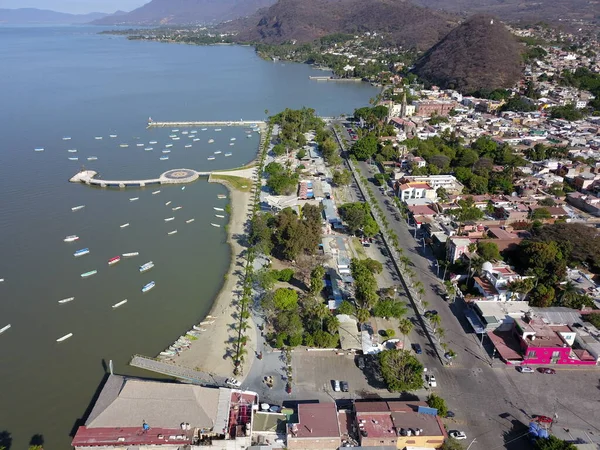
[(209, 352)]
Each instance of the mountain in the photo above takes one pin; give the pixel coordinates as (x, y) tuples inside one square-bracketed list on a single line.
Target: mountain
[(33, 15), (526, 10), (306, 20), (180, 12), (478, 54)]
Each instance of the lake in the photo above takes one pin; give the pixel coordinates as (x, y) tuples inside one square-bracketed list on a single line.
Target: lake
[(69, 81)]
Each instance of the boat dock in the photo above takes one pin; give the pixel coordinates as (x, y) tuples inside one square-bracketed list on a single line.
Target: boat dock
[(176, 371), (321, 78), (215, 123), (174, 176)]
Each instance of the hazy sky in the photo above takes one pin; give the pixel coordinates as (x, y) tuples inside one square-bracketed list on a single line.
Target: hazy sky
[(75, 6)]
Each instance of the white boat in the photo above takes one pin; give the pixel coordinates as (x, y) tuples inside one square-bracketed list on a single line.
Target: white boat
[(232, 143), (217, 129), (133, 199), (124, 145), (83, 251), (71, 238), (89, 274), (188, 146), (177, 208), (73, 158), (228, 154), (153, 142), (193, 131), (218, 152), (189, 220), (66, 300), (170, 353), (211, 158), (1, 280), (163, 158), (172, 232), (5, 328), (121, 303), (148, 286), (183, 188), (220, 216), (176, 130), (67, 138), (248, 135), (204, 129), (98, 138), (196, 139), (168, 145), (168, 203), (156, 192), (147, 266), (216, 225), (184, 132), (125, 225), (112, 135), (232, 139), (210, 141), (40, 149), (218, 209), (166, 151), (168, 219), (92, 158), (172, 135), (149, 149), (139, 145), (176, 138), (72, 150), (64, 338), (221, 196), (130, 254)]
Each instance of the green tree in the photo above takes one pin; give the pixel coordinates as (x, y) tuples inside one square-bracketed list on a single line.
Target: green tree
[(401, 370), (346, 308), (542, 296), (285, 299), (405, 326), (553, 443), (342, 178), (434, 401), (373, 265), (284, 275), (488, 251), (279, 149), (316, 280), (540, 214), (451, 444), (365, 147), (389, 307)]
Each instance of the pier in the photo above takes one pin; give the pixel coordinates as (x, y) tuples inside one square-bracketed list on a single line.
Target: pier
[(176, 371), (215, 123), (174, 176)]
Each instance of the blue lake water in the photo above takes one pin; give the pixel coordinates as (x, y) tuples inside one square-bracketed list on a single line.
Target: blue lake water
[(71, 81)]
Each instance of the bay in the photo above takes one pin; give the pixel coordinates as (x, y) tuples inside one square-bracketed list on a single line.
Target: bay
[(72, 82)]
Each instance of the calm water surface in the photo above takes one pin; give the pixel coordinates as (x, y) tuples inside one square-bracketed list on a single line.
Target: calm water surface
[(70, 81)]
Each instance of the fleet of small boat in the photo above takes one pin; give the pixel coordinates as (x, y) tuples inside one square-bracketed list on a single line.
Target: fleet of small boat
[(148, 286), (146, 267), (83, 251), (77, 208), (66, 300), (114, 260), (121, 303), (64, 338), (71, 238), (89, 274)]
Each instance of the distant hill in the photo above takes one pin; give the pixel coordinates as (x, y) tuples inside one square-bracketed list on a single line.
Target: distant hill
[(181, 12), (526, 10), (306, 20), (478, 54), (33, 15)]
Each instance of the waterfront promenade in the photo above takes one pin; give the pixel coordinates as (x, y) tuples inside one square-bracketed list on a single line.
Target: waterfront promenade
[(214, 123), (174, 176)]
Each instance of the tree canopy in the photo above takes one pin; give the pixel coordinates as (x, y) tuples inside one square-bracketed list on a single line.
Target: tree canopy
[(357, 217), (401, 370)]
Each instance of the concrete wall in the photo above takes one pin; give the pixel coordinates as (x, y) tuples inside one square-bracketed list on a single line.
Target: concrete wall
[(420, 441)]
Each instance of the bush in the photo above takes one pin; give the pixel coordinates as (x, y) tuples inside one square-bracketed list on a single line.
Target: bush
[(390, 333), (433, 401), (285, 275), (401, 370)]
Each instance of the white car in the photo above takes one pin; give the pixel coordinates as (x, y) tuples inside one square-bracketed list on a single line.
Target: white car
[(233, 382), (525, 369), (458, 435), (432, 382), (336, 386)]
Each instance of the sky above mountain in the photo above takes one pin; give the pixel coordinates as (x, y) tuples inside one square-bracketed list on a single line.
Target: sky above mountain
[(75, 6)]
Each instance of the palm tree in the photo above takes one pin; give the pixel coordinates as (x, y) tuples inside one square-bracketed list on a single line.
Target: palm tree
[(333, 324), (405, 326), (435, 320), (569, 291), (450, 289), (321, 311), (363, 315), (440, 333)]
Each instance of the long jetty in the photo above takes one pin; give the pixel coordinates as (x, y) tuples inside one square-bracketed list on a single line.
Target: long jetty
[(174, 176), (176, 371), (213, 123)]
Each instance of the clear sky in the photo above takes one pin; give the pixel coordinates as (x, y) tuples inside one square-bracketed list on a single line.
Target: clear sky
[(75, 6)]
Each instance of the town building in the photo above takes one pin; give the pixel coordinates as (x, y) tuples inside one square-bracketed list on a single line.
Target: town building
[(494, 283), (448, 182), (317, 428), (426, 108), (412, 191)]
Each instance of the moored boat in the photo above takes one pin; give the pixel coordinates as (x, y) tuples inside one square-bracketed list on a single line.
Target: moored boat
[(232, 143), (125, 225), (153, 142), (188, 146), (195, 139), (176, 138), (216, 225), (39, 149), (112, 135), (218, 152), (124, 145), (218, 209), (176, 130), (189, 220), (116, 305), (217, 129), (77, 208), (130, 254), (147, 266), (232, 139), (164, 158), (168, 219), (149, 149), (98, 138), (166, 151), (5, 328), (204, 129), (67, 138), (89, 274), (220, 216), (66, 300), (72, 150), (64, 338), (71, 238), (172, 232), (228, 154), (168, 145), (114, 260), (73, 158), (156, 192), (211, 158), (148, 286), (139, 145), (168, 203), (183, 188), (184, 132), (133, 199), (177, 208), (210, 141), (83, 251), (221, 196), (92, 158)]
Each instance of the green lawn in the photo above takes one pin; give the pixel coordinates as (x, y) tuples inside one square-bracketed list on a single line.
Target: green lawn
[(238, 183)]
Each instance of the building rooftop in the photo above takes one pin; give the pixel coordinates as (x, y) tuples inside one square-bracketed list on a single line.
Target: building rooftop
[(316, 420), (431, 425), (128, 437)]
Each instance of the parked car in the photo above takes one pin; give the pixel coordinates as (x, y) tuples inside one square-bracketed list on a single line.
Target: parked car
[(344, 385), (336, 385), (450, 414), (431, 313), (360, 362), (417, 348), (432, 381), (233, 382), (458, 435), (547, 370), (525, 369)]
